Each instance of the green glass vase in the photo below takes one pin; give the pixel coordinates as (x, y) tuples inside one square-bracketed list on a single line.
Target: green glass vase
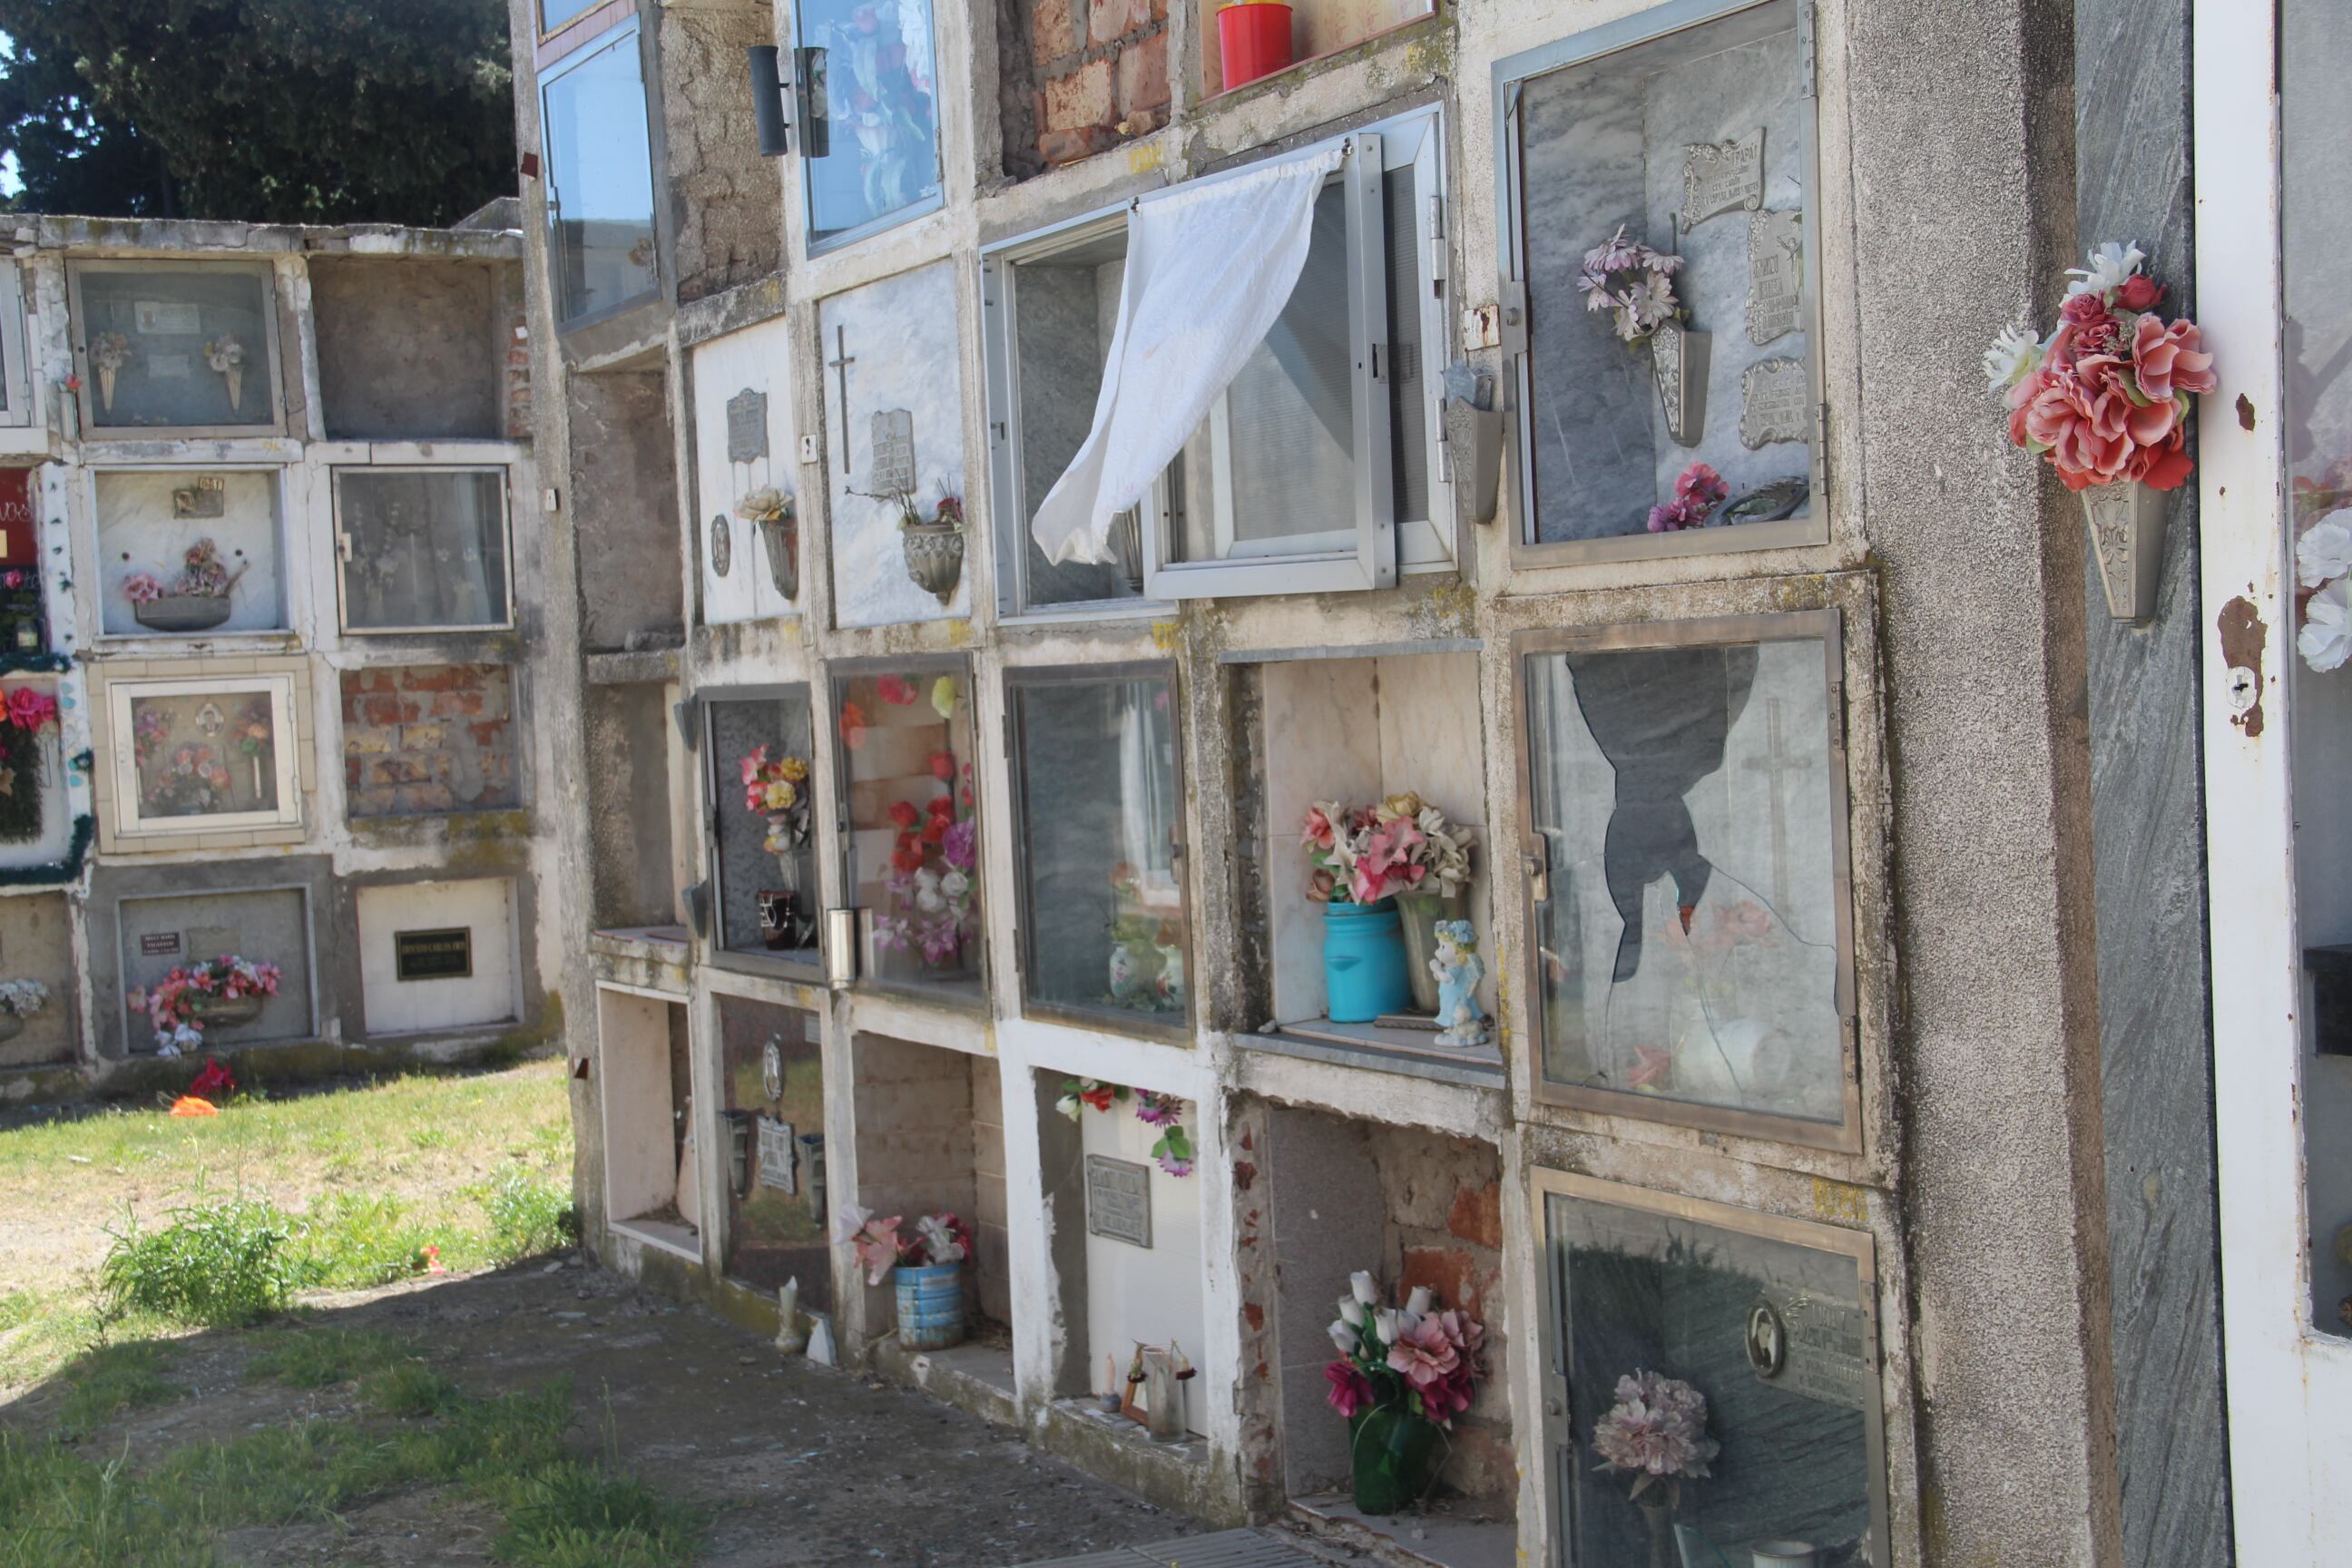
[(1391, 1450)]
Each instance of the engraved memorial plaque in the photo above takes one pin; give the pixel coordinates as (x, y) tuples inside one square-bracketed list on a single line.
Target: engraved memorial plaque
[(214, 941), (1776, 403), (1776, 273), (1812, 1345), (168, 318), (159, 944), (747, 426), (445, 955), (894, 453), (1119, 1200), (168, 367), (722, 543), (779, 1156), (1722, 176), (207, 497)]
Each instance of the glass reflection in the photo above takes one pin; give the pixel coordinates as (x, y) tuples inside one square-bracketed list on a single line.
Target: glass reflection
[(600, 182), (872, 84)]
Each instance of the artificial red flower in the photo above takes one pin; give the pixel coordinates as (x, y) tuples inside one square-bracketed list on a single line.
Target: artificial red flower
[(935, 830), (908, 858), (939, 806), (30, 708), (2164, 467), (894, 691), (1100, 1095), (1351, 1391), (2139, 292), (852, 725), (214, 1082), (942, 766), (903, 812)]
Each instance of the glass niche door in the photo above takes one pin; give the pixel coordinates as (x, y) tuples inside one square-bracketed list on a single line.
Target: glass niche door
[(1684, 785), (1751, 1343), (870, 94), (761, 744)]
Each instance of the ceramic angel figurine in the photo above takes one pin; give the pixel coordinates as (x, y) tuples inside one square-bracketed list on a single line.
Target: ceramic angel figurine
[(1458, 968)]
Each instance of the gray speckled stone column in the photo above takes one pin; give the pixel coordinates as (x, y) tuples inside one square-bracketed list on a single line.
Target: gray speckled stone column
[(1964, 174), (2132, 138)]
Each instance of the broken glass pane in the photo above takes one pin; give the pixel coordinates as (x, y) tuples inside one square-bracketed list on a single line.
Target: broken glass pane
[(1688, 949)]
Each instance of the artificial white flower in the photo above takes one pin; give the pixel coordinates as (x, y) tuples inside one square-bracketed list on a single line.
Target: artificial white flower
[(1344, 1339), (1351, 1311), (955, 884), (2325, 551), (1385, 1324), (1418, 1302), (2326, 636), (1361, 1285), (2012, 357), (2110, 264)]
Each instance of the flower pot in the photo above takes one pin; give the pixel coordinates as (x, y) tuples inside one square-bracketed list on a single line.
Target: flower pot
[(782, 538), (11, 1026), (1419, 913), (1363, 962), (1658, 1519), (220, 1012), (781, 926), (182, 612), (1678, 360), (930, 1305), (934, 558), (1390, 1450), (1252, 41), (2127, 523), (235, 376), (106, 389)]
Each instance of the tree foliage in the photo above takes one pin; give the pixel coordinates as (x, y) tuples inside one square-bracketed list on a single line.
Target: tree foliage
[(270, 110)]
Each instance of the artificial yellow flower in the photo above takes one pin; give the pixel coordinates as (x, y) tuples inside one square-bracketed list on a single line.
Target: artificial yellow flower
[(783, 796), (794, 769)]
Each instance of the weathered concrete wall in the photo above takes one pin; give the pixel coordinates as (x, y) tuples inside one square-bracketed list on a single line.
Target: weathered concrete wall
[(628, 816), (1963, 139), (2132, 135), (36, 943), (727, 225), (624, 512), (409, 349)]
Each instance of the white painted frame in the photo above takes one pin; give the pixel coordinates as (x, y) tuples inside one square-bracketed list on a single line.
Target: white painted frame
[(343, 543), (14, 376), (2290, 1387), (618, 1171), (285, 756)]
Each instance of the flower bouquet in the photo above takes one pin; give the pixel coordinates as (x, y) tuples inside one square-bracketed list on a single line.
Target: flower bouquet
[(227, 357), (228, 990), (1402, 1375), (1656, 1433), (1376, 953), (108, 352), (25, 712), (928, 1265), (775, 787), (770, 511), (1636, 285), (934, 883), (196, 600), (1147, 951), (2105, 397), (1164, 1112)]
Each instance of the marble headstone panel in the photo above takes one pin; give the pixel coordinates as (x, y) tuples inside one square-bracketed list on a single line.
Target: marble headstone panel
[(743, 441), (1612, 143), (35, 945), (898, 339), (272, 925)]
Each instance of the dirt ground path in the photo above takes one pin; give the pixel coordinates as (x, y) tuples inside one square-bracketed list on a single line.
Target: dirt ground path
[(792, 1463)]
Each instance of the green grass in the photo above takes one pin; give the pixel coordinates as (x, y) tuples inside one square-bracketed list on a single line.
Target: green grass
[(111, 1381), (315, 1358), (340, 1190), (61, 1511)]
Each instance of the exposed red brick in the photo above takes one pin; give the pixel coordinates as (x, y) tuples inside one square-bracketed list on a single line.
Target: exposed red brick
[(386, 711), (1451, 1275), (1478, 1215), (1110, 20), (441, 677), (1053, 30), (1243, 1174), (1254, 1314), (1082, 99), (1143, 75)]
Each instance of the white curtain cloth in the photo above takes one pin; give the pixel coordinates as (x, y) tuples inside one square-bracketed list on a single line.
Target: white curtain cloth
[(1208, 272)]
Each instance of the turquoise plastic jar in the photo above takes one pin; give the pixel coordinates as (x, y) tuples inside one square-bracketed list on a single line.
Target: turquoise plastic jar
[(1363, 962)]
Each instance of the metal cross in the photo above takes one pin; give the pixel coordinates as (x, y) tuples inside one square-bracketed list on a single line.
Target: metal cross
[(841, 361), (1776, 764)]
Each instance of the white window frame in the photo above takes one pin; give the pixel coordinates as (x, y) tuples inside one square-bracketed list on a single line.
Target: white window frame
[(285, 756), (335, 476), (1379, 544), (2290, 1385), (14, 373), (265, 359)]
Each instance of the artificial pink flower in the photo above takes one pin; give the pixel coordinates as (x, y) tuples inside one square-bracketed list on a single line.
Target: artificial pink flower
[(1317, 832), (2164, 467), (942, 766), (894, 691), (1425, 1353), (2169, 357), (2139, 292), (30, 708)]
